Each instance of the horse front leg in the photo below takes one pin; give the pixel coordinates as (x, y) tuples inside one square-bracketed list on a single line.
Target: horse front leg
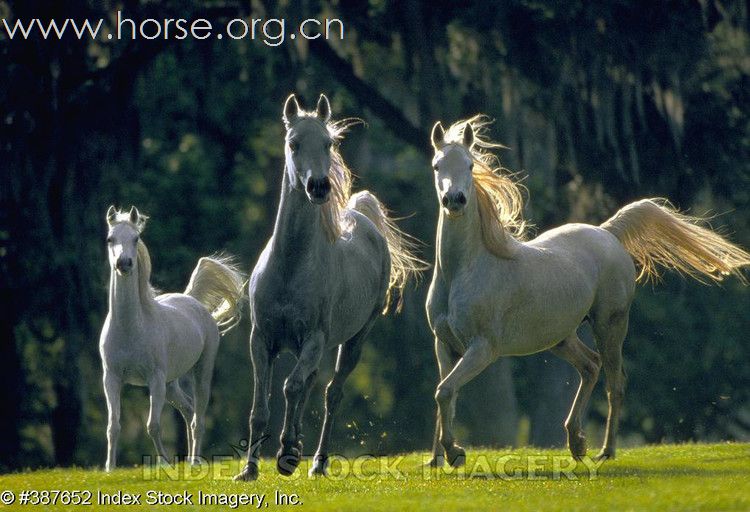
[(157, 387), (112, 389), (288, 456), (446, 359), (261, 359), (477, 358)]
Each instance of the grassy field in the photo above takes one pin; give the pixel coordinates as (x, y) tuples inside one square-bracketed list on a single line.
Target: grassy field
[(670, 477)]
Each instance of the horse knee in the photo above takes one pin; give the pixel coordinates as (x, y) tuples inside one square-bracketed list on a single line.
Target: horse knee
[(443, 395), (259, 419), (198, 424), (113, 429), (333, 394), (153, 428), (590, 369), (616, 393), (292, 387)]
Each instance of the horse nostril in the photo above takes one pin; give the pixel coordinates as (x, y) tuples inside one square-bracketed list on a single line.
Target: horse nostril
[(444, 200), (461, 198), (325, 185), (310, 186)]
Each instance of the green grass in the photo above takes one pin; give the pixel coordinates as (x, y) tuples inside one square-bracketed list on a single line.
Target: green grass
[(669, 477)]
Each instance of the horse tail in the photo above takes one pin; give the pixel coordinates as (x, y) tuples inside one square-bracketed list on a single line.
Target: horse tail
[(219, 285), (401, 246), (656, 234)]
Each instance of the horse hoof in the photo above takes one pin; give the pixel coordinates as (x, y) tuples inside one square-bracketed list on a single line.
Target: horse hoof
[(248, 474), (435, 462), (287, 462), (577, 446), (456, 456), (604, 455), (319, 466)]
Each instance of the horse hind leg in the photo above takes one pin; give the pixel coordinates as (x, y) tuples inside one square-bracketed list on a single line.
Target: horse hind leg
[(346, 360), (609, 337), (179, 399), (300, 412), (203, 371), (587, 363)]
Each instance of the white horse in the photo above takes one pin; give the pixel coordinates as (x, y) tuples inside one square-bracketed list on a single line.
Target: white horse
[(153, 341), (493, 295), (334, 262)]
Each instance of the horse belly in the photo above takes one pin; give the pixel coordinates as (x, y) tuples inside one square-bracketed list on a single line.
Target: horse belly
[(543, 321), (190, 328)]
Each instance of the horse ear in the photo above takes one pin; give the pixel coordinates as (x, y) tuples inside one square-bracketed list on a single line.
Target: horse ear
[(324, 108), (468, 136), (134, 215), (111, 215), (291, 109), (438, 133)]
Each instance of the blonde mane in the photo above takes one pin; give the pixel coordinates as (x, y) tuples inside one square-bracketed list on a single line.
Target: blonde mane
[(334, 220), (499, 195)]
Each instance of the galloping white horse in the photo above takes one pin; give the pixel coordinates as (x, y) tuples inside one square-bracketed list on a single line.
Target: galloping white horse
[(153, 341), (330, 269), (494, 295)]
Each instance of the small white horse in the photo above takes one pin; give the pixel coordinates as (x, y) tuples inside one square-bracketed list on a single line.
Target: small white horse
[(493, 295), (158, 341)]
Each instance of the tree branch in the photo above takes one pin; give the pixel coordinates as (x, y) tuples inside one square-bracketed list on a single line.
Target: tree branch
[(370, 97)]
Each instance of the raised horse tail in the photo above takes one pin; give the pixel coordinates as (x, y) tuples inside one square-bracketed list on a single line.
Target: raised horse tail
[(656, 234), (219, 285), (404, 263)]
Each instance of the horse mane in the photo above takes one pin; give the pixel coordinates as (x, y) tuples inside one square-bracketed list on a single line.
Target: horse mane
[(500, 196), (146, 291)]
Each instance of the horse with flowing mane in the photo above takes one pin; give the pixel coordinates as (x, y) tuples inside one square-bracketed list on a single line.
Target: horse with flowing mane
[(334, 263), (165, 342), (494, 294)]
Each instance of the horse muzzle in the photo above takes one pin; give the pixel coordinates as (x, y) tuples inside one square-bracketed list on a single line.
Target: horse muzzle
[(453, 203), (318, 190), (124, 266)]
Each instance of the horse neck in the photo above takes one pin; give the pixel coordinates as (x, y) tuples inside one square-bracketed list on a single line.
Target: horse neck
[(299, 227), (127, 302), (458, 239)]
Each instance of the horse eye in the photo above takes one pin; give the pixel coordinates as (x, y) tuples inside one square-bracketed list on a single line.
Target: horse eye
[(293, 146), (137, 238), (329, 144), (435, 167), (110, 240)]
